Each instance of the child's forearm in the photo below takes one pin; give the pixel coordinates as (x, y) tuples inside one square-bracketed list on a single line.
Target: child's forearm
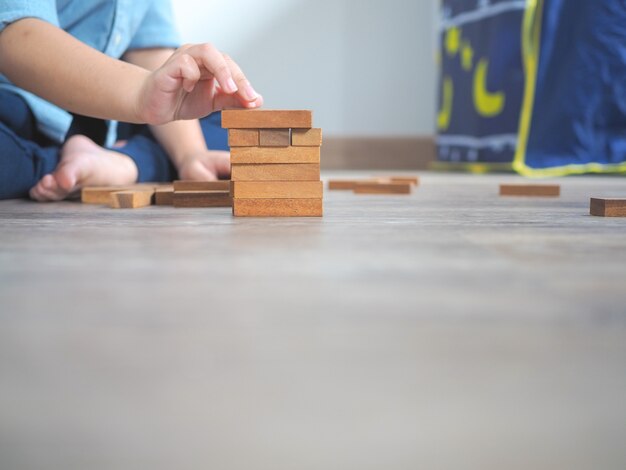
[(47, 61), (194, 81)]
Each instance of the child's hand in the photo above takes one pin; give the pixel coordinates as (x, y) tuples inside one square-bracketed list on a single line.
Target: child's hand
[(208, 165), (194, 82)]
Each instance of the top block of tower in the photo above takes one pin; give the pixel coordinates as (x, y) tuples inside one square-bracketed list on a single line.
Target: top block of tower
[(266, 119)]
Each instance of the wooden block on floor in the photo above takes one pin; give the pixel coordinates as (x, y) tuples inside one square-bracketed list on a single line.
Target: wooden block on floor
[(277, 189), (99, 195), (266, 119), (306, 137), (202, 199), (278, 207), (202, 185), (164, 196), (349, 185), (275, 172), (535, 190), (132, 199), (275, 155), (274, 137), (413, 180), (243, 137), (607, 207), (102, 194), (383, 188)]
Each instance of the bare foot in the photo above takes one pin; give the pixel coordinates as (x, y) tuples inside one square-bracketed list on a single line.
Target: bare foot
[(84, 163)]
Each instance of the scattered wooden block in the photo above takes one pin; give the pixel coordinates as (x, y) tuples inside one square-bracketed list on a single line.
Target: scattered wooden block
[(275, 172), (383, 188), (243, 137), (99, 195), (164, 196), (132, 199), (349, 185), (278, 207), (275, 155), (202, 199), (274, 138), (413, 180), (202, 185), (306, 137), (102, 194), (277, 189), (604, 207), (533, 190), (266, 119)]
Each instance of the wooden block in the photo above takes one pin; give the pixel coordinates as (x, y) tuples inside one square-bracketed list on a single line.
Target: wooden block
[(202, 185), (132, 199), (604, 207), (266, 119), (202, 199), (383, 188), (536, 190), (413, 180), (274, 137), (102, 194), (306, 137), (164, 196), (277, 189), (349, 185), (243, 137), (99, 195), (278, 207), (276, 172), (275, 155)]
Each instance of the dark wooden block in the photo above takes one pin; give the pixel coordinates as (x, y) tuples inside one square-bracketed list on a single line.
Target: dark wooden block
[(531, 190), (202, 185), (274, 138), (604, 207), (202, 199)]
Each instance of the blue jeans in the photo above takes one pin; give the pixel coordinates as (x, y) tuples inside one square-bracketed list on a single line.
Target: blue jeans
[(27, 155)]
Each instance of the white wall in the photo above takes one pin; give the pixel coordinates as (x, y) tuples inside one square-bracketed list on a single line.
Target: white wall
[(365, 67)]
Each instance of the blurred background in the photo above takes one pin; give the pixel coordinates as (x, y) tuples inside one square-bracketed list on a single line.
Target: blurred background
[(514, 94), (366, 68)]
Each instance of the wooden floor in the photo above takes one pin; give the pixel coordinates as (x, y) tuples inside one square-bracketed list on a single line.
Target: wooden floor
[(451, 329)]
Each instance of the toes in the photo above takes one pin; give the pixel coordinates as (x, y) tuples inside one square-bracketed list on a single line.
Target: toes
[(66, 177), (48, 183), (52, 187), (35, 193), (41, 194), (47, 190)]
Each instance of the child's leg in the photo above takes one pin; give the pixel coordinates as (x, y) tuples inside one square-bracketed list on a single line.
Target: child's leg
[(140, 158), (26, 155), (152, 162), (84, 163), (22, 163)]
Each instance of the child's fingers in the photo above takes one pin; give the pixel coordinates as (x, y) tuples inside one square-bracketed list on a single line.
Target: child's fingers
[(245, 88), (189, 71), (215, 63), (222, 165), (223, 101)]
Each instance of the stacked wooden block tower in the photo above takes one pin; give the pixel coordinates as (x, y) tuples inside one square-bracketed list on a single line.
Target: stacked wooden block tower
[(275, 163)]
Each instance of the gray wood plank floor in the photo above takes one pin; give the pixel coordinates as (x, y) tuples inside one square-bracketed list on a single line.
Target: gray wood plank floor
[(448, 329)]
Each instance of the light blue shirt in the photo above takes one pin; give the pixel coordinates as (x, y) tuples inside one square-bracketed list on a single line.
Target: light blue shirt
[(110, 26)]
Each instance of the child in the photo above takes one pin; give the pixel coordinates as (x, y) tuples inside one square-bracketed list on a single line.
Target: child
[(116, 61)]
